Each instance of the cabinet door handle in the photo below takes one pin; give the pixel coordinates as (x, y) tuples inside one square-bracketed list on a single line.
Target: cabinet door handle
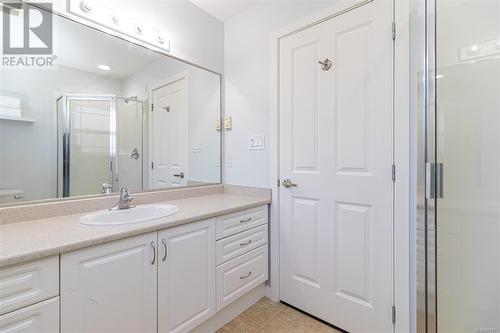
[(244, 277), (246, 243), (154, 252), (164, 249), (246, 220)]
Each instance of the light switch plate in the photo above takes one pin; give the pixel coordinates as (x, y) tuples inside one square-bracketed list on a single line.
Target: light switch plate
[(257, 142), (197, 146)]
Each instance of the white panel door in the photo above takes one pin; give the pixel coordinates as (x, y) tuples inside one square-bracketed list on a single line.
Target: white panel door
[(110, 287), (336, 145), (186, 276), (170, 134)]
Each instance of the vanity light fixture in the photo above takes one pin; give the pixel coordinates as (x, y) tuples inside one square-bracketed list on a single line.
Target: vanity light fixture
[(104, 67), (117, 21)]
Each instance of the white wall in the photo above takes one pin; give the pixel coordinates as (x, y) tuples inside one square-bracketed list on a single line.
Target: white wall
[(195, 35), (247, 52)]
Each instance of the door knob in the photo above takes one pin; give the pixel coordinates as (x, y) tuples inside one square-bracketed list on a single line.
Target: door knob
[(288, 183), (180, 175)]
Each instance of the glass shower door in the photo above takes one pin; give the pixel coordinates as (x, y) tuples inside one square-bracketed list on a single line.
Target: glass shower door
[(91, 145), (467, 142)]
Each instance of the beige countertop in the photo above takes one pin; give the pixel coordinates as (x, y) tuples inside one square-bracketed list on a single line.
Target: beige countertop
[(29, 240)]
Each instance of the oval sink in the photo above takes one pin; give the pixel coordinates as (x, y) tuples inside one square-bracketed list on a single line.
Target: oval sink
[(142, 213)]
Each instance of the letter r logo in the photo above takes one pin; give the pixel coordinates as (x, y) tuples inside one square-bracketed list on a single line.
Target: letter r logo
[(27, 29)]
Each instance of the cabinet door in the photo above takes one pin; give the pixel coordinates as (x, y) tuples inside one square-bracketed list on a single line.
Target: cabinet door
[(186, 276), (42, 317), (110, 287)]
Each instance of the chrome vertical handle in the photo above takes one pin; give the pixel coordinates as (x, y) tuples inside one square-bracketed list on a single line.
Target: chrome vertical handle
[(164, 249), (434, 180), (154, 252)]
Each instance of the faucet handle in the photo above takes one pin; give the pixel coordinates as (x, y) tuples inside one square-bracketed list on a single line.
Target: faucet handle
[(124, 192)]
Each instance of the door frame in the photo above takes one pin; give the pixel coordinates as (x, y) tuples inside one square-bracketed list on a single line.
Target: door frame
[(153, 87), (402, 264)]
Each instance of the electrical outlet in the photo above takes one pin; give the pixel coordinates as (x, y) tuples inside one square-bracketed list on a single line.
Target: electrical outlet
[(229, 161)]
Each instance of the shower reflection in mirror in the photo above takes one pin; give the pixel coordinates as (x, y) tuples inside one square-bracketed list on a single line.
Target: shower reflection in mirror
[(100, 144)]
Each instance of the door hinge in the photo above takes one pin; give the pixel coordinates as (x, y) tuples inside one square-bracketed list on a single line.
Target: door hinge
[(152, 165), (393, 30), (393, 314), (152, 107), (393, 173)]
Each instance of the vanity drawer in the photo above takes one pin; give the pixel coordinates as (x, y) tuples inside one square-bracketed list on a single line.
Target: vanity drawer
[(231, 224), (42, 317), (234, 246), (26, 284), (238, 276)]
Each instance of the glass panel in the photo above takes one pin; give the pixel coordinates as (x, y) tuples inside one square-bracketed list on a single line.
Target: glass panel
[(90, 146), (468, 143), (129, 119)]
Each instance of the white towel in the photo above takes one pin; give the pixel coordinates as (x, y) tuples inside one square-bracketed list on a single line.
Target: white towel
[(10, 102), (10, 112)]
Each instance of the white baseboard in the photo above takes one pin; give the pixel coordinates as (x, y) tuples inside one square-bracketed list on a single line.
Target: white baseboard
[(231, 311)]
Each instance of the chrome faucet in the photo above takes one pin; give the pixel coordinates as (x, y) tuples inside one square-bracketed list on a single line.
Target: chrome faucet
[(125, 200), (106, 188)]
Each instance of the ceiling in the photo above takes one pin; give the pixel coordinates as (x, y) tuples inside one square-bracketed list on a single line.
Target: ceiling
[(225, 9)]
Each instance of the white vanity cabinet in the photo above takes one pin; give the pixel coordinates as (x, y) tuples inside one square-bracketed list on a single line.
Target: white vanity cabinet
[(29, 301), (186, 276), (110, 287), (41, 317), (242, 254), (169, 281)]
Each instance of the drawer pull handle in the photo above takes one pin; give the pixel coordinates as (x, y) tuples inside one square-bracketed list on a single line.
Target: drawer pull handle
[(164, 249), (153, 247), (246, 220), (244, 277), (246, 243)]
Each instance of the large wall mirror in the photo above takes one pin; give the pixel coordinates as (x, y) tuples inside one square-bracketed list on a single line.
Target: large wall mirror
[(108, 114)]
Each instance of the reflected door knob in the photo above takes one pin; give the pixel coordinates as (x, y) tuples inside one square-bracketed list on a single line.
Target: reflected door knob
[(288, 183)]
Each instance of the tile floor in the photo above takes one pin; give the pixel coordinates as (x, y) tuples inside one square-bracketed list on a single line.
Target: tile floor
[(266, 316)]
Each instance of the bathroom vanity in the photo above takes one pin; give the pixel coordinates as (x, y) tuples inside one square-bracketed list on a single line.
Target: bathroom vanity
[(167, 275)]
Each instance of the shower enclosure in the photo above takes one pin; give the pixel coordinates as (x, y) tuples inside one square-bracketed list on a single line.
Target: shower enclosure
[(100, 144), (458, 176)]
